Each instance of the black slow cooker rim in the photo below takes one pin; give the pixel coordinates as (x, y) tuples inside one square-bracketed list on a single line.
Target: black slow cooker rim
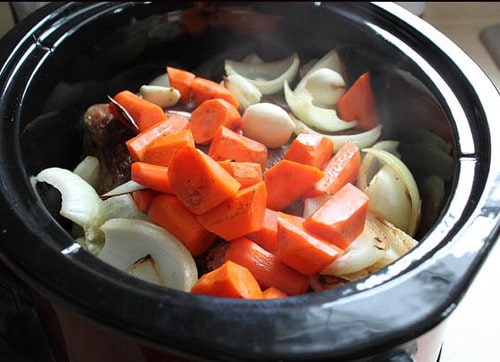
[(423, 267)]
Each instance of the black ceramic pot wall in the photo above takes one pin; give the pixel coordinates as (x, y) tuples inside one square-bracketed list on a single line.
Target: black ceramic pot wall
[(66, 57)]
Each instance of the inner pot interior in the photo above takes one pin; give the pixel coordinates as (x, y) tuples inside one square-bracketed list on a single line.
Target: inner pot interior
[(83, 53)]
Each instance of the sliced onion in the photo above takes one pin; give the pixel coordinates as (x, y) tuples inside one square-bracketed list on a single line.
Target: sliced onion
[(361, 139), (121, 206), (146, 269), (129, 240), (244, 91), (268, 77), (89, 169), (370, 166), (161, 80), (404, 174), (389, 197), (380, 244), (325, 87), (323, 119), (125, 188), (80, 202)]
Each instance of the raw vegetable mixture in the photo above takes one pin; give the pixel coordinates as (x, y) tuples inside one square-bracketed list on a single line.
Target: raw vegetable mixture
[(220, 189)]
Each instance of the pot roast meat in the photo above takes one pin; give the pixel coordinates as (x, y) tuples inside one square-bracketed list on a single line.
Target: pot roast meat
[(104, 138)]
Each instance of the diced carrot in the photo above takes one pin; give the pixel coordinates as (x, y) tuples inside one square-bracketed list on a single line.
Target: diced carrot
[(151, 176), (266, 267), (358, 104), (238, 215), (181, 80), (173, 124), (310, 149), (210, 115), (229, 145), (144, 113), (168, 212), (161, 149), (267, 235), (273, 293), (342, 168), (203, 89), (199, 181), (341, 219), (229, 280), (246, 173), (143, 198), (287, 180), (301, 250)]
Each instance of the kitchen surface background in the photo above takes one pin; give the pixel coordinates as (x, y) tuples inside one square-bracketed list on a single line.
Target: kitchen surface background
[(473, 329)]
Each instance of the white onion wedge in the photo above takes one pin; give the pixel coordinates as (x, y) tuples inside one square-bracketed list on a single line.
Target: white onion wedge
[(380, 244), (159, 95), (389, 198), (146, 269), (89, 169), (268, 77), (80, 202), (370, 166), (245, 92), (129, 240), (404, 174), (323, 119), (361, 139), (121, 206), (125, 188)]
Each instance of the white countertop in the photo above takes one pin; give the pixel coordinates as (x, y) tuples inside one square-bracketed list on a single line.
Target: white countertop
[(473, 329)]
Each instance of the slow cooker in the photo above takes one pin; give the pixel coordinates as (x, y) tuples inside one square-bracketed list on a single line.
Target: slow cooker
[(67, 56)]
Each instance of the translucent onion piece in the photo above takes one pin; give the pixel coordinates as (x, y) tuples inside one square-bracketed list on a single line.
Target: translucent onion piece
[(80, 202), (323, 119), (404, 174), (125, 188), (361, 139), (244, 91), (146, 269), (380, 244), (370, 166), (89, 169), (129, 240), (389, 197), (121, 206), (268, 77), (159, 95)]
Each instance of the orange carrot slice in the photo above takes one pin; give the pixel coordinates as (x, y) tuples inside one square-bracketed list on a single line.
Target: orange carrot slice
[(287, 180), (203, 89), (273, 293), (358, 104), (210, 115), (151, 176), (267, 235), (301, 250), (181, 80), (266, 267), (246, 173), (143, 198), (238, 215), (162, 148), (341, 219), (342, 168), (199, 181), (310, 149), (168, 212), (137, 145), (229, 145), (144, 113), (229, 280)]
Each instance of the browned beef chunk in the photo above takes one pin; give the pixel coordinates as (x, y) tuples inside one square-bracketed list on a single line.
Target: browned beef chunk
[(105, 138)]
